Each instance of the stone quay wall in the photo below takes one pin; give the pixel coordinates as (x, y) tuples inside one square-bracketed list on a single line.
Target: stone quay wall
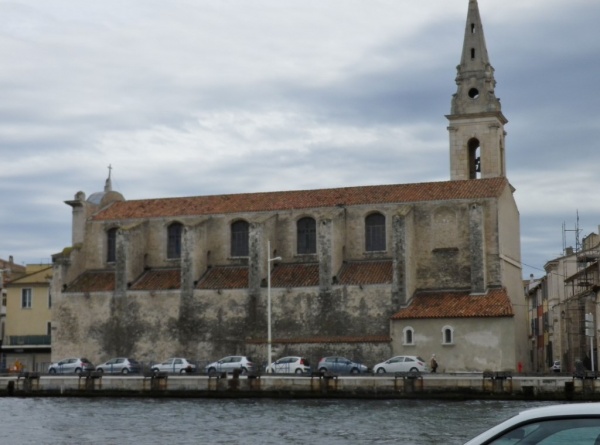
[(406, 385)]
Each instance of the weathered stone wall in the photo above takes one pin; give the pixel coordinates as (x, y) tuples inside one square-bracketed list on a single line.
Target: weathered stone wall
[(479, 343), (443, 260), (153, 326), (509, 269), (437, 243)]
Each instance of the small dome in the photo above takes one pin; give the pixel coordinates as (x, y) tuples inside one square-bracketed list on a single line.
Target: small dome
[(107, 196), (96, 198)]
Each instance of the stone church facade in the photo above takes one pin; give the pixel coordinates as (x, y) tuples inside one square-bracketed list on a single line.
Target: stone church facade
[(366, 272)]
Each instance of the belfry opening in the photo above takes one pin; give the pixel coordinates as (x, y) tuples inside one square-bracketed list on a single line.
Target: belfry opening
[(474, 158)]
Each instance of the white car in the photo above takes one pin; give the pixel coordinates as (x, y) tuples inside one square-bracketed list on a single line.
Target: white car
[(401, 363), (577, 423), (289, 365), (174, 365), (230, 364)]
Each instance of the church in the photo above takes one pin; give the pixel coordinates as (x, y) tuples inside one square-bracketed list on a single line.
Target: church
[(364, 272)]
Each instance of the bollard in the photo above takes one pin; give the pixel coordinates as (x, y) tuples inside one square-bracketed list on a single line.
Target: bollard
[(528, 391), (10, 388), (234, 382), (569, 390), (158, 381)]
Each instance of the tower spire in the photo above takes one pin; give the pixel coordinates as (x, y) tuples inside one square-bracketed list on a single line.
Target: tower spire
[(108, 183), (475, 74), (476, 119)]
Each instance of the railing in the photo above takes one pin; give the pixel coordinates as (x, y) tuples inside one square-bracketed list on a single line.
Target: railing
[(28, 340)]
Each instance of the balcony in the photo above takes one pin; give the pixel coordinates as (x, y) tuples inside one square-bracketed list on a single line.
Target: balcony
[(28, 340)]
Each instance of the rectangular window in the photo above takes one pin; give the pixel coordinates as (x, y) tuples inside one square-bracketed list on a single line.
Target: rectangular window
[(240, 238), (375, 232), (49, 299), (26, 298), (49, 328)]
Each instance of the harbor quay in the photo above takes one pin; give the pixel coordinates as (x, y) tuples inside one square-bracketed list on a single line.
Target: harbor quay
[(497, 385)]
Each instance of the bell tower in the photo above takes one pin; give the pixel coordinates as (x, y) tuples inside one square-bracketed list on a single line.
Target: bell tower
[(476, 121)]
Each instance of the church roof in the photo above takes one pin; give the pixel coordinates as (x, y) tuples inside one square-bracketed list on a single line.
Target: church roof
[(236, 277), (446, 304), (93, 281), (366, 272), (224, 277), (159, 279), (295, 275), (303, 199)]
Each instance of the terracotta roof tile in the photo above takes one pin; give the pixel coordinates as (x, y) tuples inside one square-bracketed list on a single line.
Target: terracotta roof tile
[(366, 272), (93, 281), (159, 279), (302, 199), (224, 277), (295, 275), (495, 303), (352, 339)]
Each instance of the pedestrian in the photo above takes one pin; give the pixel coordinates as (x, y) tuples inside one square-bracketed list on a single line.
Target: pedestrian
[(433, 364)]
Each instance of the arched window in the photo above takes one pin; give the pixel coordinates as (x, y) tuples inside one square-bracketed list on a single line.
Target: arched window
[(447, 335), (306, 229), (375, 232), (174, 232), (111, 245), (409, 338), (239, 238), (474, 158)]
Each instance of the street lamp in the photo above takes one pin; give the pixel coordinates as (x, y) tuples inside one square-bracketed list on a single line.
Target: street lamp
[(269, 261)]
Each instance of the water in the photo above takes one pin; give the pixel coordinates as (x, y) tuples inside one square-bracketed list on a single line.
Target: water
[(248, 421)]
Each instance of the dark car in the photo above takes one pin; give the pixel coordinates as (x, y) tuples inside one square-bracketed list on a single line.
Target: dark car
[(340, 365)]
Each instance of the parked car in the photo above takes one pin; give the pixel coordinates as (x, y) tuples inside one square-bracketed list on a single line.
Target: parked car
[(229, 364), (340, 365), (174, 365), (556, 366), (71, 365), (401, 363), (120, 365), (289, 365), (577, 423)]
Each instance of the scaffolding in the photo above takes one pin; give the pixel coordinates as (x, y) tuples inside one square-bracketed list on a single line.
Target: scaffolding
[(580, 275)]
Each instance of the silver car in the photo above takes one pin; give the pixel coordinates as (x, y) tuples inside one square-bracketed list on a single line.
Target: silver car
[(230, 364), (73, 365), (119, 365), (176, 365)]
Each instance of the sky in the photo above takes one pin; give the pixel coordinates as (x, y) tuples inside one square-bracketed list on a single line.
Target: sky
[(199, 97)]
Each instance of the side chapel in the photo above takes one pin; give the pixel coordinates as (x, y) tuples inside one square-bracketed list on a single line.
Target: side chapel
[(365, 272)]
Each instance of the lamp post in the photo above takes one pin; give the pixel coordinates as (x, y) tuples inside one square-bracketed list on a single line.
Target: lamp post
[(269, 261)]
